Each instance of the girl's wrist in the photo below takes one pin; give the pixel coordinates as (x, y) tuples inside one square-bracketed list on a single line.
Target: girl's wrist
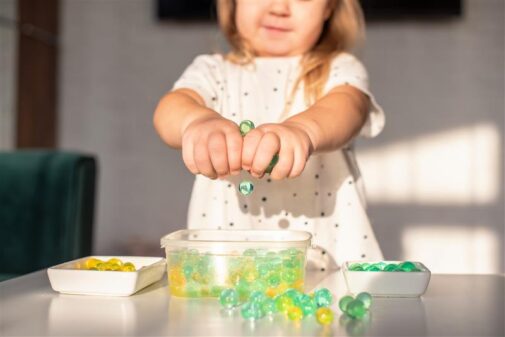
[(307, 128)]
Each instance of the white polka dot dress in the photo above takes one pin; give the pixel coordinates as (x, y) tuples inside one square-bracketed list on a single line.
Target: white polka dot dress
[(327, 199)]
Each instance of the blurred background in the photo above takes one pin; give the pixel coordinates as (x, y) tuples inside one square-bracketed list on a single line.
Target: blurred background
[(86, 75)]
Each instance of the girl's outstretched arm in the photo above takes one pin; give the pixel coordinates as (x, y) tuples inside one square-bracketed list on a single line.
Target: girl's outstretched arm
[(211, 144), (335, 119)]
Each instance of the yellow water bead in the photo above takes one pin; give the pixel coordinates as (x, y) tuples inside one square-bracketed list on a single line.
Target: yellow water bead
[(92, 263), (128, 266)]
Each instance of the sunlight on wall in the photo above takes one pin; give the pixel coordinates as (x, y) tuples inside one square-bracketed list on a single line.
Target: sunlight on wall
[(457, 167), (447, 248)]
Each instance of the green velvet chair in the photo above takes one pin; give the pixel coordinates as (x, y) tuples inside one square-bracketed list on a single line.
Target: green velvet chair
[(46, 209)]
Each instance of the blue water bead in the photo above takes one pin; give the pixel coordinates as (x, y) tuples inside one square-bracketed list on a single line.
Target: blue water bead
[(323, 297), (228, 298)]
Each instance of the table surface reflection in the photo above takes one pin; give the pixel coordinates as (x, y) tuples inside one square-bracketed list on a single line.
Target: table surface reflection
[(454, 305)]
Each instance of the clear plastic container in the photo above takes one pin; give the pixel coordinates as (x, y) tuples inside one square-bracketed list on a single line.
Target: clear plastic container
[(201, 263)]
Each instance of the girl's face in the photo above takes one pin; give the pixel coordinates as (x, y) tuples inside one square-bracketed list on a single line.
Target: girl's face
[(281, 27)]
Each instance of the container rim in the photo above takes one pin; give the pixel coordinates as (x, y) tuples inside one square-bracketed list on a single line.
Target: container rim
[(275, 237)]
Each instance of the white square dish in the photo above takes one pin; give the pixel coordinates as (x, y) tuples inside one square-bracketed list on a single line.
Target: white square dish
[(68, 279), (387, 283)]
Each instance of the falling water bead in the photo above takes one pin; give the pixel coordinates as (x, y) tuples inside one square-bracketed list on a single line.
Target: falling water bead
[(245, 187), (407, 266), (295, 313), (356, 309), (366, 298), (323, 297), (228, 298), (324, 316), (246, 126), (344, 302)]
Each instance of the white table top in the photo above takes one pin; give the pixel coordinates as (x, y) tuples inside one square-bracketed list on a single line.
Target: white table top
[(454, 305)]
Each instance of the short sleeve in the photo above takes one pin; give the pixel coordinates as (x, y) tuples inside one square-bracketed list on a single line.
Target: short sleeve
[(203, 76), (346, 69)]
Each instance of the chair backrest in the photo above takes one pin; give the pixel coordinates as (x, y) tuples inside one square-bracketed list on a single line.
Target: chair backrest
[(46, 209)]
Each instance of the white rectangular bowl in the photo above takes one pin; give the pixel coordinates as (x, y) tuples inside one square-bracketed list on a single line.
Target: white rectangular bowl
[(387, 283), (68, 279)]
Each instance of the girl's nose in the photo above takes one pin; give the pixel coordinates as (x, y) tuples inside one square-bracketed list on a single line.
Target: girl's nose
[(279, 7)]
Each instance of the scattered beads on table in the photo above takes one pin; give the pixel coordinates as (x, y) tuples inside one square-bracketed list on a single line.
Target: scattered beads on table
[(113, 264), (356, 307), (292, 302), (405, 266)]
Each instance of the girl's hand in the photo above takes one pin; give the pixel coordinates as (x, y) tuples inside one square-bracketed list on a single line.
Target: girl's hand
[(288, 139), (212, 146)]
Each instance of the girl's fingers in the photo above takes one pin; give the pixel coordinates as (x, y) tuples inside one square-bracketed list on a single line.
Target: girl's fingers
[(299, 162), (251, 141), (187, 156), (268, 146), (284, 166), (217, 150), (234, 147), (202, 159)]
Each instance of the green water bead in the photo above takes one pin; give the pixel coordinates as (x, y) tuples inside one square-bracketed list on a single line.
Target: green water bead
[(252, 311), (273, 162), (323, 297), (245, 126), (283, 303), (344, 302), (268, 306), (373, 267), (391, 267), (245, 187), (407, 266), (307, 305), (355, 267), (366, 298), (228, 298), (257, 297), (356, 309)]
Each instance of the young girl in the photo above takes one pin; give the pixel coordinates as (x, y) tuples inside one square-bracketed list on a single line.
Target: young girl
[(288, 71)]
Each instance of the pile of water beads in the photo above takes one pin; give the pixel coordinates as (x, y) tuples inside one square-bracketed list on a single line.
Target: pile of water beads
[(356, 307), (113, 264), (246, 187), (293, 303), (405, 266), (195, 274)]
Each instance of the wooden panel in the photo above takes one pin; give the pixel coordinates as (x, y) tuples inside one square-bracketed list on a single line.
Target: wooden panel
[(37, 73)]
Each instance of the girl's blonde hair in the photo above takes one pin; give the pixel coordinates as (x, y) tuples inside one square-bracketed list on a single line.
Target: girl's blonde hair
[(341, 31)]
